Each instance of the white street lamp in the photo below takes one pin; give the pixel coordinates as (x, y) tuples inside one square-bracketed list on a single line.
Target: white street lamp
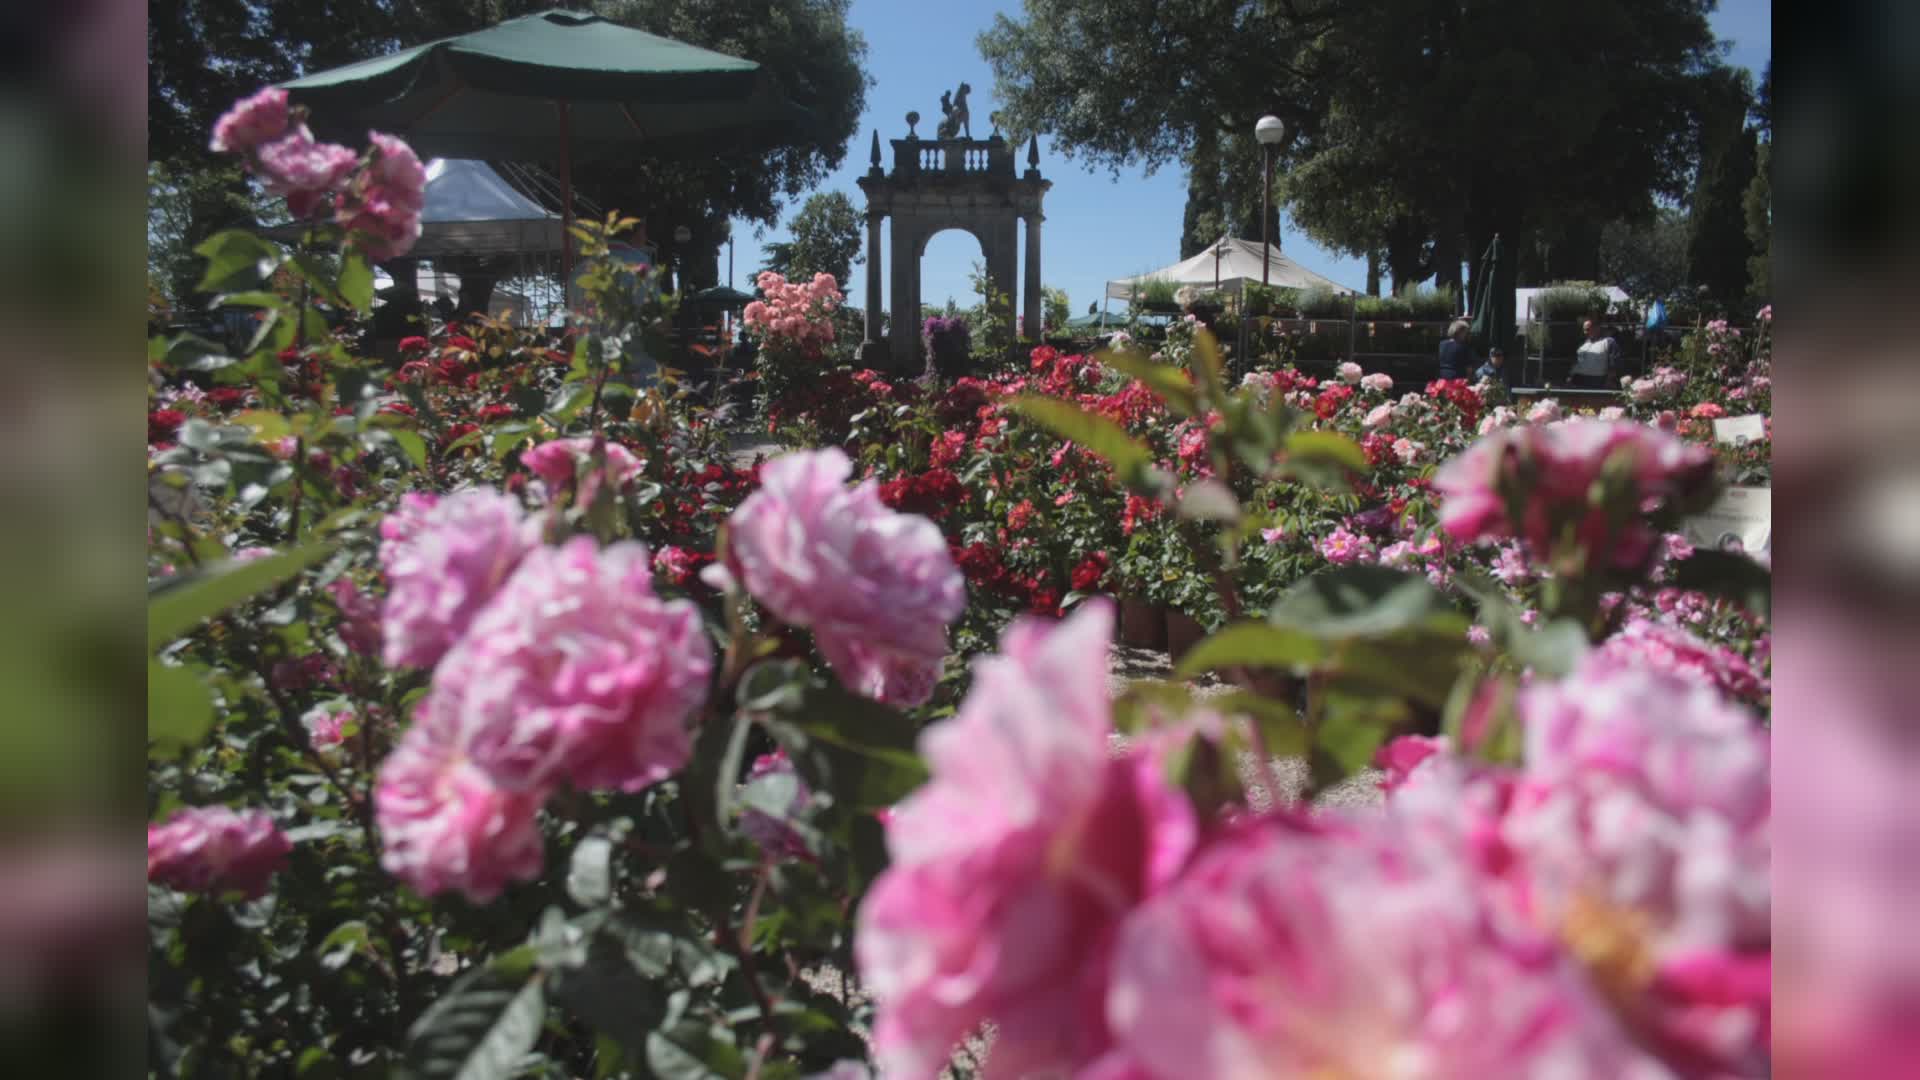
[(1269, 130)]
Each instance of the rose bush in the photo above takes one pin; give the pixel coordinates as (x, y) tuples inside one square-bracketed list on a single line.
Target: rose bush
[(500, 726)]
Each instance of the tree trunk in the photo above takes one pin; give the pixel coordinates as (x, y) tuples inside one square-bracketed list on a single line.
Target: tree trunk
[(1373, 273)]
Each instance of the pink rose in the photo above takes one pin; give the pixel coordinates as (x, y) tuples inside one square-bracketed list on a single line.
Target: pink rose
[(1341, 547), (1550, 472), (1012, 866), (558, 461), (456, 554), (1399, 756), (301, 170), (213, 849), (359, 626), (1351, 372), (577, 669), (252, 121), (1379, 416), (774, 833), (1379, 382), (1672, 650), (445, 824), (326, 727), (877, 588), (1294, 949)]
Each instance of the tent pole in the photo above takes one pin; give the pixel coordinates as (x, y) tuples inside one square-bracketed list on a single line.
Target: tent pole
[(1105, 302), (566, 207)]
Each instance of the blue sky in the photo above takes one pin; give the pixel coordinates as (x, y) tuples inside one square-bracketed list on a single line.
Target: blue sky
[(1097, 227)]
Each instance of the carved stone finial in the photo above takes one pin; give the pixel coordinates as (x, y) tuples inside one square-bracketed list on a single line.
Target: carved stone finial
[(912, 119), (1033, 151), (994, 117), (876, 148)]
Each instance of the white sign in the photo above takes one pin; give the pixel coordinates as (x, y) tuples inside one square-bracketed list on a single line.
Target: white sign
[(1740, 429), (1743, 515)]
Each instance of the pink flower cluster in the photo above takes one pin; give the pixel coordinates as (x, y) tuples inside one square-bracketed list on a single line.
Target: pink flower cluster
[(444, 559), (552, 665), (876, 587), (1598, 913), (1379, 382), (1016, 862), (381, 210), (1665, 382), (1537, 483), (793, 315), (378, 206), (209, 849), (557, 462), (1643, 643), (1341, 547)]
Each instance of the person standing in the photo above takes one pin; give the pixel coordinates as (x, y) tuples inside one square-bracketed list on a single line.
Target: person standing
[(1456, 357), (1597, 359)]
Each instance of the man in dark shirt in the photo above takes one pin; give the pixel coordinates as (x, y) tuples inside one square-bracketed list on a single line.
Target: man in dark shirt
[(1456, 358)]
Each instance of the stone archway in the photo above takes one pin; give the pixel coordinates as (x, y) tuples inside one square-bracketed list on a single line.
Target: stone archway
[(940, 184)]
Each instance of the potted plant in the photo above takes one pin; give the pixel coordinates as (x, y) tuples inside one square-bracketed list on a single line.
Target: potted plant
[(1157, 294)]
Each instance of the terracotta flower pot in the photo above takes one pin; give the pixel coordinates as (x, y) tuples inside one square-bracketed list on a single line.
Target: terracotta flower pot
[(1183, 632), (1143, 625)]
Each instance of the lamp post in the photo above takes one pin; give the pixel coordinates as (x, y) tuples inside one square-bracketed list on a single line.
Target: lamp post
[(1219, 252), (1269, 130)]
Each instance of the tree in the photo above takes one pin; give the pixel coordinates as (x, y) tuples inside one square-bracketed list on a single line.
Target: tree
[(1416, 127), (1718, 247), (1758, 201), (826, 240), (1649, 261), (1056, 306)]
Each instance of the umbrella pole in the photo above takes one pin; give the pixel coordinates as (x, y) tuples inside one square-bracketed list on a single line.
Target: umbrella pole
[(566, 209)]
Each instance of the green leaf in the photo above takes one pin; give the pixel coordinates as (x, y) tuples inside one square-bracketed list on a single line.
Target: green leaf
[(1729, 576), (1165, 380), (1251, 644), (237, 260), (1362, 601), (1421, 665), (1326, 447), (1097, 433), (691, 1050), (266, 426), (179, 705), (413, 445), (480, 1029), (179, 606), (1281, 729), (1350, 733), (356, 282), (1209, 500), (1552, 649)]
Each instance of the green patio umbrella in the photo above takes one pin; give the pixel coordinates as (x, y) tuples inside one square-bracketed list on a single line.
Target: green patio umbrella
[(721, 296), (560, 84), (1493, 306)]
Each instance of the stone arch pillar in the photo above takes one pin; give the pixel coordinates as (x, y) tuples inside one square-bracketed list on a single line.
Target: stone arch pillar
[(938, 184)]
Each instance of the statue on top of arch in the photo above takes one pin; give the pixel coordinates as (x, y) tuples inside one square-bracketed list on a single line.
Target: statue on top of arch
[(953, 107)]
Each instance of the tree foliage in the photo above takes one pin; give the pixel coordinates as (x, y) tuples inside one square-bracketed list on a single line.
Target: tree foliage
[(1648, 260), (1758, 201), (1718, 246), (1414, 127), (826, 240)]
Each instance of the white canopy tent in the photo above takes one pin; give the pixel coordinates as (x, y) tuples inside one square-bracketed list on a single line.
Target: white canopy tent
[(1229, 264), (471, 210)]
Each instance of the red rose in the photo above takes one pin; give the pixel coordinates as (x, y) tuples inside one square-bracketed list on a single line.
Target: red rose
[(1019, 516), (163, 425), (226, 397), (414, 343), (460, 341), (490, 413), (1087, 575)]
